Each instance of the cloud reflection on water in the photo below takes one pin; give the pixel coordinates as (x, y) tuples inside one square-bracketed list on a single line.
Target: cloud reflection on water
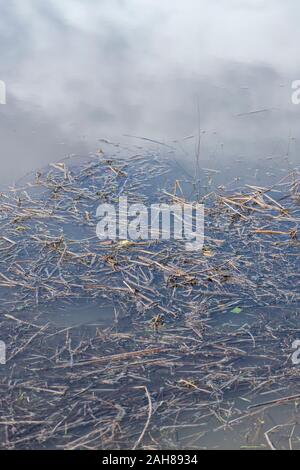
[(78, 71)]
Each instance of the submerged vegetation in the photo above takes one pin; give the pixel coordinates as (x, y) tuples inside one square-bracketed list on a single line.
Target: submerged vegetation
[(198, 353)]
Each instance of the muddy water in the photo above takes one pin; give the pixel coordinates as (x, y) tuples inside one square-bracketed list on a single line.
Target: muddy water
[(172, 74)]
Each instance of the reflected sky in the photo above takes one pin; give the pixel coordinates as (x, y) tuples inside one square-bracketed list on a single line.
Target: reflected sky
[(78, 71)]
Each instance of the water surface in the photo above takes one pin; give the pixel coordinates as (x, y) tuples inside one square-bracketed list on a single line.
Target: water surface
[(207, 84), (79, 72)]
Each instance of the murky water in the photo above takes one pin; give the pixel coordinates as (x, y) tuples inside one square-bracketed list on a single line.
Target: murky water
[(168, 78)]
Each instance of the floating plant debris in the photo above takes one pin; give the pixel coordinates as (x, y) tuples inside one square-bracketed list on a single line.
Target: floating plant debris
[(172, 368)]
